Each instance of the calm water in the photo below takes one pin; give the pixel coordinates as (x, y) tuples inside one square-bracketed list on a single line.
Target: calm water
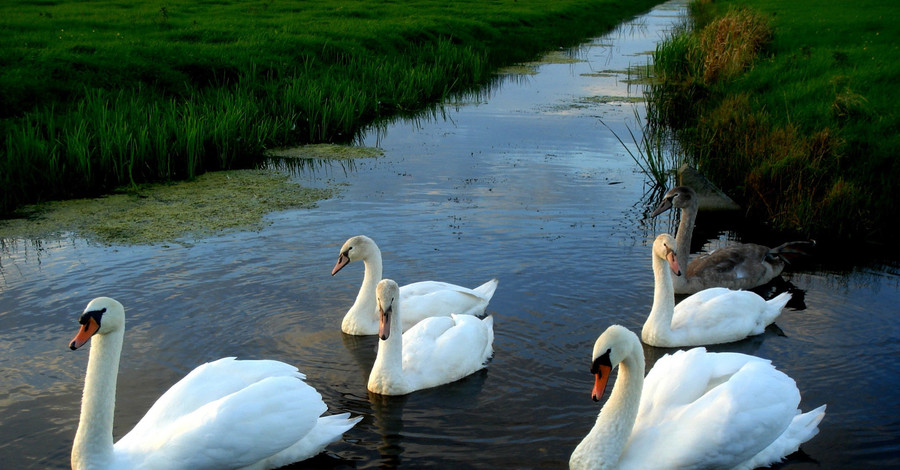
[(525, 185)]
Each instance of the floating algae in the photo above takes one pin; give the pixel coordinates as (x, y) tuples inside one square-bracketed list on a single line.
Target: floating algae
[(213, 203), (326, 152), (531, 68)]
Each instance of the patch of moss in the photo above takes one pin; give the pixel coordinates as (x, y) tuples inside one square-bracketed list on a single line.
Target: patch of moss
[(531, 68), (520, 69), (326, 152), (606, 99), (556, 57), (211, 204)]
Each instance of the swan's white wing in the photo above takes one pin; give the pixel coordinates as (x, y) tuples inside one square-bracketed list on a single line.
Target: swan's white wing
[(419, 341), (234, 413), (440, 350), (425, 299), (704, 295), (720, 315), (702, 410), (206, 383)]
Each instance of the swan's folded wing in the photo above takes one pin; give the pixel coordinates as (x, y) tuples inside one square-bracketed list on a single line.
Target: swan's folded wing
[(206, 383), (445, 349), (235, 430), (724, 311), (419, 341), (742, 261), (740, 412), (432, 298), (430, 287)]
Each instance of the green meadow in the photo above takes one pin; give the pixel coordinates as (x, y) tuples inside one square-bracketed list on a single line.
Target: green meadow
[(791, 107), (100, 94)]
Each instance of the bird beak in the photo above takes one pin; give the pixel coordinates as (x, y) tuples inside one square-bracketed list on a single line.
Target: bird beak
[(384, 327), (665, 205), (673, 263), (343, 260), (600, 379), (87, 330)]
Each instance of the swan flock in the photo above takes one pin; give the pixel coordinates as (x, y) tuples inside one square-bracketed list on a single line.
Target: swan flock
[(693, 409)]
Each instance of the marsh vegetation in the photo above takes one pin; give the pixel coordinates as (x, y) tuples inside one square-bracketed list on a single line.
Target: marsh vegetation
[(99, 94), (790, 108)]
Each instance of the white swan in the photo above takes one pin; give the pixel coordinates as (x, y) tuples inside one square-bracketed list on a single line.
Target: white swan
[(711, 316), (224, 414), (436, 351), (420, 299), (737, 266), (694, 410)]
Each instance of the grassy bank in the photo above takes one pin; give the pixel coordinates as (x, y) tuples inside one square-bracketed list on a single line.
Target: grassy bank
[(791, 108), (98, 94)]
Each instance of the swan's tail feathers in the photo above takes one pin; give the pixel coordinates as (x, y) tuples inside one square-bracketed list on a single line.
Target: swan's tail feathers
[(489, 347), (792, 251), (336, 425), (328, 429), (803, 428), (487, 289), (775, 306)]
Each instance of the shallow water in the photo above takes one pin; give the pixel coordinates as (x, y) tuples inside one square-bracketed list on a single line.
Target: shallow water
[(525, 185)]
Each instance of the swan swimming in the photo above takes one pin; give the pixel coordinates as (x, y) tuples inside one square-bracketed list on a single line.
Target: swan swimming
[(254, 414), (420, 300), (694, 409)]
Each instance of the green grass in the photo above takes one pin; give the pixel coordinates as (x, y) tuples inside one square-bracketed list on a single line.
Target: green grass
[(98, 94), (804, 132)]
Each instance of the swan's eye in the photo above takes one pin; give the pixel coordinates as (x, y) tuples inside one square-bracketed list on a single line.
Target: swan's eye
[(602, 360), (95, 314)]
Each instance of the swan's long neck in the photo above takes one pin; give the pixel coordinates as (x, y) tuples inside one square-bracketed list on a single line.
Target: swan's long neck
[(683, 236), (660, 318), (387, 373), (363, 315), (93, 446), (602, 448)]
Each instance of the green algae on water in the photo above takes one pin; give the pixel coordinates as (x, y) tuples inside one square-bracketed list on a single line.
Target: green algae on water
[(326, 152), (211, 204)]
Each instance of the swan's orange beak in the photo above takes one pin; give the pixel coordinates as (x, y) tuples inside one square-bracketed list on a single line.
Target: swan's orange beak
[(384, 326), (600, 379), (84, 334), (673, 263), (343, 260)]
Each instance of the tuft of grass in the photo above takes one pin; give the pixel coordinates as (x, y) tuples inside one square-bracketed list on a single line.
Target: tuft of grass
[(728, 45), (787, 107)]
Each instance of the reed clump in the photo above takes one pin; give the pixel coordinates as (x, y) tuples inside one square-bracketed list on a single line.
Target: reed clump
[(728, 45), (779, 111)]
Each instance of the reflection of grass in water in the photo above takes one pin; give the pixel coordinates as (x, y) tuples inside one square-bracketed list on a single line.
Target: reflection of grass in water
[(213, 203)]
